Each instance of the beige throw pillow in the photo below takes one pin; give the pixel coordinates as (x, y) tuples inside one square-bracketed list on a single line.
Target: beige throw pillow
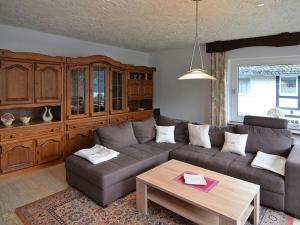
[(235, 143), (198, 135)]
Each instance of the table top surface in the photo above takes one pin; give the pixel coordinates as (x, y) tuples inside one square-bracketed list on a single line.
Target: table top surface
[(231, 197)]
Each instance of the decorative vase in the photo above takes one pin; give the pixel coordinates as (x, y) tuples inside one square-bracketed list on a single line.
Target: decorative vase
[(47, 115), (7, 119)]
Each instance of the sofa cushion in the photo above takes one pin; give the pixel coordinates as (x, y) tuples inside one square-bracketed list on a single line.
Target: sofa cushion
[(144, 130), (195, 155), (181, 128), (268, 140), (152, 149), (268, 122), (117, 136), (241, 168), (165, 146), (221, 161), (216, 134), (131, 162)]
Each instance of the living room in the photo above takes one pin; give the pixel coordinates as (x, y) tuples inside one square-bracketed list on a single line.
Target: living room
[(150, 112)]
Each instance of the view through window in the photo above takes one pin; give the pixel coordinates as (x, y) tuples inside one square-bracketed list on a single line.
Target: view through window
[(269, 90)]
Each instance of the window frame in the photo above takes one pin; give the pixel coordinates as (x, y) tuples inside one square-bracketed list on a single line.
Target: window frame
[(233, 81)]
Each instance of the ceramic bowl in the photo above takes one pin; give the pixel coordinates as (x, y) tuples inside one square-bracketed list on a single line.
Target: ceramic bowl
[(25, 120), (7, 119), (8, 122)]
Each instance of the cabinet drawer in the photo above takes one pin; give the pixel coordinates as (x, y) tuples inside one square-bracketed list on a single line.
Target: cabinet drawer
[(117, 119), (86, 123), (24, 133), (100, 123), (138, 116)]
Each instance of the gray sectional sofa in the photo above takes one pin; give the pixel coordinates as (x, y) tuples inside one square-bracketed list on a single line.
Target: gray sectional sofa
[(110, 180)]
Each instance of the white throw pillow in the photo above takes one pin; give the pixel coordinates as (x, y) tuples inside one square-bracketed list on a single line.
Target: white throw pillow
[(266, 161), (235, 143), (165, 134), (198, 135)]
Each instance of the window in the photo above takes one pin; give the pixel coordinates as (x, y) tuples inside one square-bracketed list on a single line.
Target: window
[(288, 86), (264, 87), (244, 85)]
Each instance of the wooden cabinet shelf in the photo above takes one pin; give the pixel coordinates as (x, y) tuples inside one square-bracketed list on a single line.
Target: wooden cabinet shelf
[(34, 105), (30, 125)]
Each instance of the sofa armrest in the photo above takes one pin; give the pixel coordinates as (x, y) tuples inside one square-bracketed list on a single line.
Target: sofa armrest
[(292, 182)]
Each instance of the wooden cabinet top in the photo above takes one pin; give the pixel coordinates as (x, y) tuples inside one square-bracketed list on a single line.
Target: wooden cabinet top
[(29, 56)]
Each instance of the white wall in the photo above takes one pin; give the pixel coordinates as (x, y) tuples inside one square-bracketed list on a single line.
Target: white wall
[(21, 39), (187, 99)]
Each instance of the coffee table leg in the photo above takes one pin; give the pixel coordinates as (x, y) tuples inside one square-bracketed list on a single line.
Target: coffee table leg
[(256, 208), (141, 197)]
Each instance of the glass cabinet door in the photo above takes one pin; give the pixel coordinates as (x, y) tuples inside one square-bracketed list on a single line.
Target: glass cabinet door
[(99, 78), (118, 91), (78, 92)]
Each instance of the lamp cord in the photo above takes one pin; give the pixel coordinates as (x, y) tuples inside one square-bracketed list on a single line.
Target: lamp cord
[(197, 39)]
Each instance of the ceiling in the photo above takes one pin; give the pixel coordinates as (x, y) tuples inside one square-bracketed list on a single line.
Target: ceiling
[(151, 25)]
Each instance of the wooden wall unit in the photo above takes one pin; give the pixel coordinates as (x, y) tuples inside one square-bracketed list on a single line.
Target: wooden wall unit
[(84, 93)]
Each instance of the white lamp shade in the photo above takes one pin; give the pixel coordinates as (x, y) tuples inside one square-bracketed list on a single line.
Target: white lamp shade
[(196, 74)]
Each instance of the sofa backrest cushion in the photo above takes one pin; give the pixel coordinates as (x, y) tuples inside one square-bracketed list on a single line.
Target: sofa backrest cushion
[(96, 138), (268, 122), (181, 128), (144, 131), (117, 136), (216, 134), (268, 140)]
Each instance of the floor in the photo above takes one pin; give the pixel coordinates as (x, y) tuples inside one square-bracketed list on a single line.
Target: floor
[(23, 189), (29, 187)]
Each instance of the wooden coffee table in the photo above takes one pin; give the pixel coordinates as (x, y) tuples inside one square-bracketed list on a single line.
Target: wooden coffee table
[(231, 201)]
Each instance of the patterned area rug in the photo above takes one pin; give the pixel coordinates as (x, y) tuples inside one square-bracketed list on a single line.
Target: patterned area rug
[(71, 207)]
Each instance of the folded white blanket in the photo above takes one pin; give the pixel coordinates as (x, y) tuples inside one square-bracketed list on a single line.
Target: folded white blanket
[(266, 161), (97, 154)]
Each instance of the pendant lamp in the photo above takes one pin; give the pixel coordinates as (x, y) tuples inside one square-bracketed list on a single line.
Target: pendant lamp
[(196, 73)]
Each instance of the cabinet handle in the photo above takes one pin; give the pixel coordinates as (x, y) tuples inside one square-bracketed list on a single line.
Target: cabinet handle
[(11, 136), (52, 130), (74, 127)]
